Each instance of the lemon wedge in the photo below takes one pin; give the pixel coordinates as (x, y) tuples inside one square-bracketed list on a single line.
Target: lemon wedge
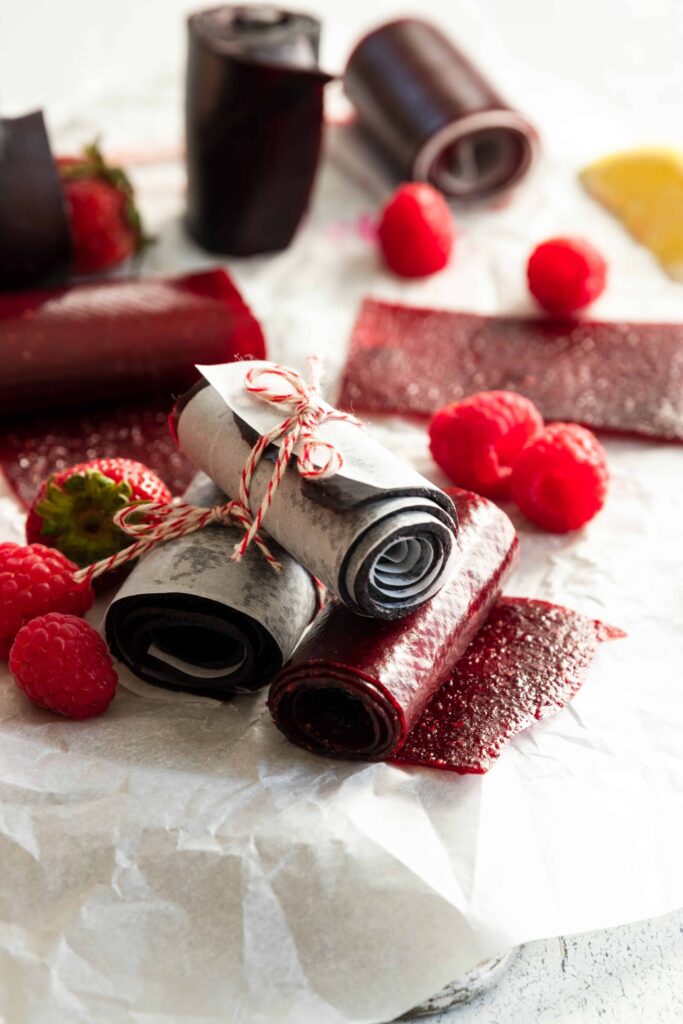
[(644, 189)]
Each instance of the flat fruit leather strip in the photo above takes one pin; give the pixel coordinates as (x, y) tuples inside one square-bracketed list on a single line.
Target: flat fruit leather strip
[(356, 688), (621, 377), (93, 370), (433, 115), (254, 121), (190, 618), (527, 662), (448, 687)]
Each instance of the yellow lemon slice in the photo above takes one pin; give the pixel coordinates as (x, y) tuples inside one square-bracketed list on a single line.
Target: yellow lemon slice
[(644, 189)]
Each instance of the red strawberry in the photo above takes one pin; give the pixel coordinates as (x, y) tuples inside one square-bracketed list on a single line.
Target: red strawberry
[(73, 509), (105, 224)]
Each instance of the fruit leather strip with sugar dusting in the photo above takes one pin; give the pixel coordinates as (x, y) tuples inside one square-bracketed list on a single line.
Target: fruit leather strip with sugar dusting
[(527, 662), (433, 115), (35, 237), (99, 349), (376, 533), (357, 689), (254, 117), (189, 618), (622, 377)]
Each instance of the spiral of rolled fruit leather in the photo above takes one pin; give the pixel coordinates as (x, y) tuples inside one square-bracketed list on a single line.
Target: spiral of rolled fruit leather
[(254, 118), (448, 686), (92, 371), (377, 534), (191, 618), (433, 115)]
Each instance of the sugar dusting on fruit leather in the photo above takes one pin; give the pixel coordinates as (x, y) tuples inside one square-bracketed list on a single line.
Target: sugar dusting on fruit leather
[(233, 843)]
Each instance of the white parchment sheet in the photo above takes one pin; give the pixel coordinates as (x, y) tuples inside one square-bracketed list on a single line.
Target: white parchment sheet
[(177, 860)]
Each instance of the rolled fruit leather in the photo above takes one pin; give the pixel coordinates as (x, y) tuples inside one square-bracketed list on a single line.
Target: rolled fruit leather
[(357, 689), (35, 237), (377, 534), (92, 371), (254, 119), (190, 618), (432, 115), (450, 685)]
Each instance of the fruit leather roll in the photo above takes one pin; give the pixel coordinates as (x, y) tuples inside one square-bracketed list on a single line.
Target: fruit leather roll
[(102, 343), (448, 686), (433, 115), (118, 339), (377, 534), (254, 115), (357, 689), (189, 618), (623, 377), (35, 238)]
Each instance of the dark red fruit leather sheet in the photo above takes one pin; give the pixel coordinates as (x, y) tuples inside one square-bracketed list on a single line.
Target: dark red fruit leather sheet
[(623, 377), (93, 370), (527, 662), (448, 686)]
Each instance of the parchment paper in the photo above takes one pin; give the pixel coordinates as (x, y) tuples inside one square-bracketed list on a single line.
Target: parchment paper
[(177, 862)]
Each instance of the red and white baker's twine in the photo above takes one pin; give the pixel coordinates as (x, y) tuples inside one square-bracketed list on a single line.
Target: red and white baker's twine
[(153, 522)]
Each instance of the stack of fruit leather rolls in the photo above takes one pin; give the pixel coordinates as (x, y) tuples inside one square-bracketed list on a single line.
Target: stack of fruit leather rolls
[(93, 370), (190, 618), (376, 533), (448, 686)]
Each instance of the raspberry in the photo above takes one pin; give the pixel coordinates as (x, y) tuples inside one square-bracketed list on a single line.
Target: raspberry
[(476, 441), (566, 274), (560, 479), (62, 663), (416, 231), (35, 580)]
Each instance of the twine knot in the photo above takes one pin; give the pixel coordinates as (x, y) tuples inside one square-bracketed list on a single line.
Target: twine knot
[(151, 523)]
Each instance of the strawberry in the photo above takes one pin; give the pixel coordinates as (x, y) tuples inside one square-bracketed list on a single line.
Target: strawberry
[(73, 510), (105, 225)]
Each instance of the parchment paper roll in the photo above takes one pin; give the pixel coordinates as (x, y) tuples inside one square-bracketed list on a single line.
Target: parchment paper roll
[(357, 690), (35, 238), (433, 114), (188, 618), (377, 533), (254, 114)]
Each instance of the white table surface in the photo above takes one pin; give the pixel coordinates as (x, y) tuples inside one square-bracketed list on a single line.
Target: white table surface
[(96, 64)]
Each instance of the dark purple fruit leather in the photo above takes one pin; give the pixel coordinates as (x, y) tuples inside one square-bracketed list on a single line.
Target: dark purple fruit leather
[(254, 118), (449, 685), (621, 377), (35, 237), (433, 115)]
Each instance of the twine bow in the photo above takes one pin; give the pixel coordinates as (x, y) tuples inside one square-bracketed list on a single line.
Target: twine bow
[(151, 523)]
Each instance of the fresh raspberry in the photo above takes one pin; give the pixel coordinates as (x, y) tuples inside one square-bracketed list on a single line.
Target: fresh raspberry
[(62, 663), (416, 231), (73, 510), (566, 274), (105, 224), (35, 580), (476, 441), (560, 479)]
